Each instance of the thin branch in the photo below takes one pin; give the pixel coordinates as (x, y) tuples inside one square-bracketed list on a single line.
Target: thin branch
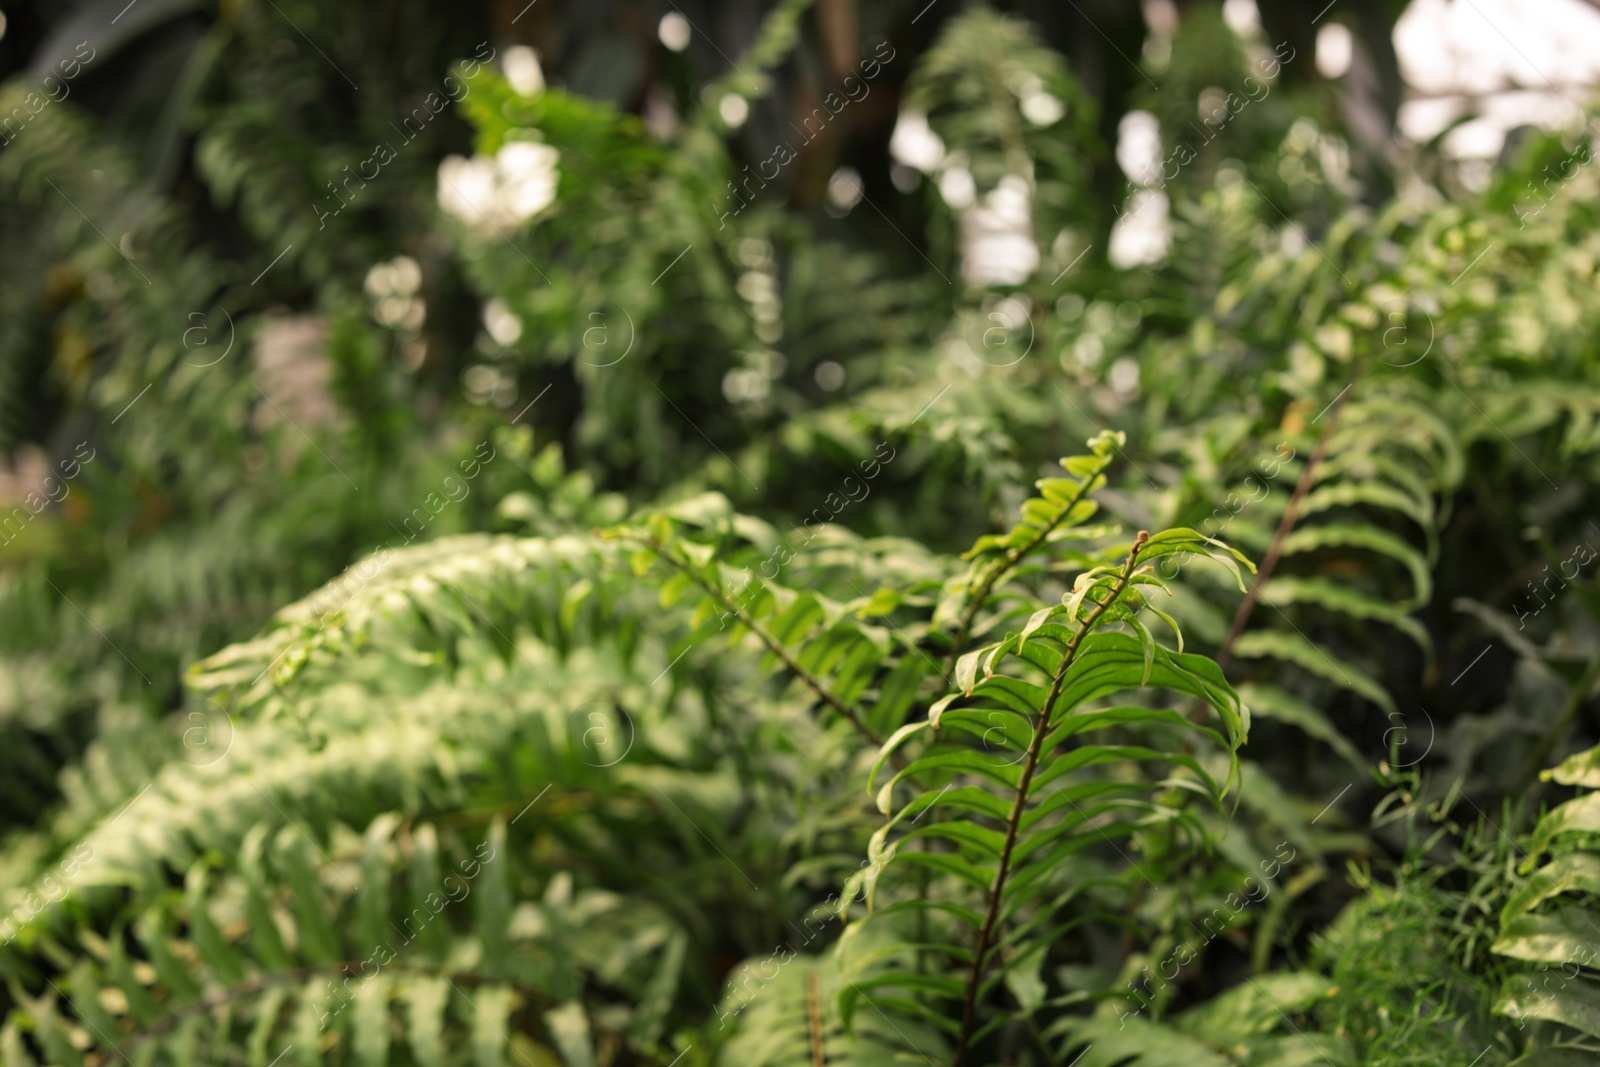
[(1270, 561), (1042, 728), (811, 681), (819, 1054)]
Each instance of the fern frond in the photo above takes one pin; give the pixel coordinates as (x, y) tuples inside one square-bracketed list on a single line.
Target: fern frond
[(1018, 818)]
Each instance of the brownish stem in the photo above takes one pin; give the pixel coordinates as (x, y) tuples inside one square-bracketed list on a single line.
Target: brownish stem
[(819, 1053), (773, 646), (1270, 561), (991, 917)]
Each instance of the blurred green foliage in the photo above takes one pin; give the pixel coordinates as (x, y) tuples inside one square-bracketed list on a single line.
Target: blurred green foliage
[(473, 593)]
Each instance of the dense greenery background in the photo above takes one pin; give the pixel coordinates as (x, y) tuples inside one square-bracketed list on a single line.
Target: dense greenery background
[(456, 639)]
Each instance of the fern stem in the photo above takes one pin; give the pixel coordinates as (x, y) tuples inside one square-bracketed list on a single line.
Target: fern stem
[(986, 933), (811, 681), (1286, 524), (819, 1054), (1001, 567)]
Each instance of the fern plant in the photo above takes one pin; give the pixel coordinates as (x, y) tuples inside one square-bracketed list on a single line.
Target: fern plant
[(1022, 791), (661, 733), (1549, 919), (282, 894)]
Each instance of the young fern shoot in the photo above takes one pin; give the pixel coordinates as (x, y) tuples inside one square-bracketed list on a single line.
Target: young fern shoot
[(1062, 505)]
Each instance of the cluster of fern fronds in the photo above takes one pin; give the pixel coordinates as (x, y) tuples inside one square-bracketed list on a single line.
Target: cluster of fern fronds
[(650, 634)]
